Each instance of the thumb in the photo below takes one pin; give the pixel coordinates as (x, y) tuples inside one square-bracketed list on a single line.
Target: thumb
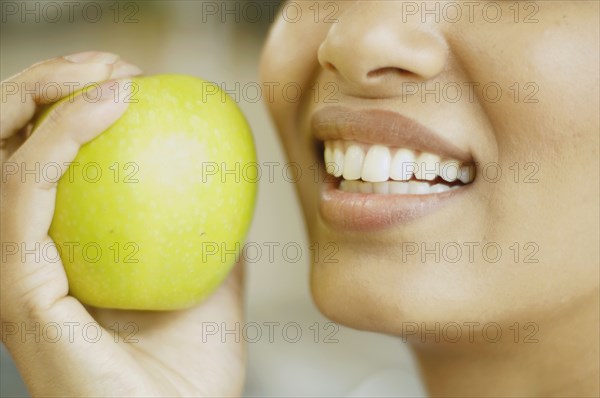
[(32, 279)]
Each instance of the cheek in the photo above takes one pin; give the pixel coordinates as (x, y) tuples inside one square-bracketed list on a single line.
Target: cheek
[(545, 127), (288, 63)]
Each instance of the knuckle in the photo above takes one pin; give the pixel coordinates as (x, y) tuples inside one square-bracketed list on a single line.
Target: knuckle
[(37, 292), (56, 116), (55, 121), (12, 177)]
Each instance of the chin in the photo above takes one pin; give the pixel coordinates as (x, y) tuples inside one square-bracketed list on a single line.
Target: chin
[(367, 290)]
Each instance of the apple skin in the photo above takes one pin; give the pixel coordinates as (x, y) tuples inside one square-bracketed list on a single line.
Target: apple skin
[(166, 218)]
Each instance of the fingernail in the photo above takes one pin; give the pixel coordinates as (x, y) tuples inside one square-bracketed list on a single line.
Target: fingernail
[(92, 56), (124, 69)]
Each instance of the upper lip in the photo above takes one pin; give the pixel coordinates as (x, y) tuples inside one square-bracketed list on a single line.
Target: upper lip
[(378, 126)]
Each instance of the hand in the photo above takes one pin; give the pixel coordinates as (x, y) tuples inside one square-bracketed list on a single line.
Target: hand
[(149, 353)]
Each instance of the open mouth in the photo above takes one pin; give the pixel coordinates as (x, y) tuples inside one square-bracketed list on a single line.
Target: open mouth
[(364, 168), (385, 168)]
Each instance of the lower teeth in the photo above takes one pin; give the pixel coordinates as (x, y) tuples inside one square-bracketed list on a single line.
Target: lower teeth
[(394, 187)]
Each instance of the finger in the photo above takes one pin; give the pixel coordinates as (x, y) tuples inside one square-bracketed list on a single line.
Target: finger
[(55, 343), (12, 143), (194, 330), (28, 201), (53, 79)]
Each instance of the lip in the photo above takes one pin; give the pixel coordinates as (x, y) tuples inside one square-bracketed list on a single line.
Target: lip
[(378, 126), (371, 211), (367, 211)]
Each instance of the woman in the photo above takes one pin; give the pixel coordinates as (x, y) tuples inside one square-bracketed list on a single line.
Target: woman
[(486, 261)]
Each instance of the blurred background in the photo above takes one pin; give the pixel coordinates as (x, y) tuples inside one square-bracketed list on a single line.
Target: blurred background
[(221, 41)]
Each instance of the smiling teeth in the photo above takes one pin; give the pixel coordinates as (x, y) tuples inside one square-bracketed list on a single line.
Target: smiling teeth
[(376, 167), (379, 164), (353, 160), (394, 187), (398, 171)]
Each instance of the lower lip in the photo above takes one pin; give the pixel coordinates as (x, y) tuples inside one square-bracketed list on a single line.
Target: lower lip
[(371, 211)]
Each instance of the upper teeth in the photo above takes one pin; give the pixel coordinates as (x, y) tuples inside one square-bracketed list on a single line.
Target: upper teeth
[(378, 163)]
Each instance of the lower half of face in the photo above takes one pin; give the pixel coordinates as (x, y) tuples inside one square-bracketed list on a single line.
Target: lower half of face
[(453, 168)]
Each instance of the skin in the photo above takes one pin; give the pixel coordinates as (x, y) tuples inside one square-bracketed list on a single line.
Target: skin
[(368, 288)]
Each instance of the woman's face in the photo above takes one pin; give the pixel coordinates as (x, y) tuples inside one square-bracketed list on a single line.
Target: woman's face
[(502, 95)]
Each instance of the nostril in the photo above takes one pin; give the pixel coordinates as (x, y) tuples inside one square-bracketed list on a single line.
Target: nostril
[(391, 71), (330, 67)]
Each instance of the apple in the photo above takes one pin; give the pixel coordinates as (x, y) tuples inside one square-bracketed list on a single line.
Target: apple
[(152, 213)]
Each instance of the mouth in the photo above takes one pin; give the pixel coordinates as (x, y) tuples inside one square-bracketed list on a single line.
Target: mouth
[(384, 169), (378, 169)]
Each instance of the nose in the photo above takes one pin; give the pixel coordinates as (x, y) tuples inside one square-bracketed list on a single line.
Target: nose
[(372, 52)]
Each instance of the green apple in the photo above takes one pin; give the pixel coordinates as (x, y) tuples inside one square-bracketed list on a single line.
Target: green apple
[(152, 213)]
